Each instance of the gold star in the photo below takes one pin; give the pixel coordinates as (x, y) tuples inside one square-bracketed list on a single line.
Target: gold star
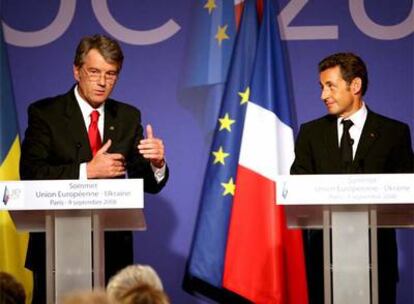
[(226, 122), (229, 187), (245, 96), (220, 155), (210, 5), (221, 34)]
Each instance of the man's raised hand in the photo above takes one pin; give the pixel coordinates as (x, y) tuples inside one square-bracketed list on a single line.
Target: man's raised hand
[(152, 148)]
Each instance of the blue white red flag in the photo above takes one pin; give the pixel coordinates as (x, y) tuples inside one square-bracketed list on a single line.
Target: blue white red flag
[(264, 260), (207, 256), (241, 242)]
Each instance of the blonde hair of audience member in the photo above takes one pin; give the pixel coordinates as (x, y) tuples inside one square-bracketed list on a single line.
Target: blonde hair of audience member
[(11, 291), (132, 276), (87, 297), (144, 294)]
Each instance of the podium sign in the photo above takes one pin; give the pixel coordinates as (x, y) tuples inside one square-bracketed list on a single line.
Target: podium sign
[(345, 189), (348, 208), (70, 211), (72, 194)]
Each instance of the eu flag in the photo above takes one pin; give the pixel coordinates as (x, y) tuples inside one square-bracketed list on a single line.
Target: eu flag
[(207, 59), (265, 260), (209, 245), (242, 243)]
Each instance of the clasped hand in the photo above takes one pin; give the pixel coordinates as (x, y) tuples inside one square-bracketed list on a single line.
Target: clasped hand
[(108, 165)]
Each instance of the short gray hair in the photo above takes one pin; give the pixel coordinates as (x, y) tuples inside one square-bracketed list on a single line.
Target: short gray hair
[(107, 47), (130, 277)]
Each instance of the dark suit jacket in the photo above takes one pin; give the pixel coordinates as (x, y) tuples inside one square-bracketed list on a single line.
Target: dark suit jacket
[(56, 140), (384, 147), (56, 143)]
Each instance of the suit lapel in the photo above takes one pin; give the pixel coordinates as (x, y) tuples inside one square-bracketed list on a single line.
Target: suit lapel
[(368, 136), (111, 123), (76, 127)]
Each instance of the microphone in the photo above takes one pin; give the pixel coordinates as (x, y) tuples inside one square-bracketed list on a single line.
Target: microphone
[(351, 141)]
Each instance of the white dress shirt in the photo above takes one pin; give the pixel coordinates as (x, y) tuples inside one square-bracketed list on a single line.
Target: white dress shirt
[(358, 118)]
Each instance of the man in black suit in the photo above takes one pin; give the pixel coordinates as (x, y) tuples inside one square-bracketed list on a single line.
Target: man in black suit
[(377, 145), (84, 134)]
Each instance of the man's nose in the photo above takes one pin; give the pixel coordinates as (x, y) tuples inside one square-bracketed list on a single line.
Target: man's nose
[(102, 79), (325, 93)]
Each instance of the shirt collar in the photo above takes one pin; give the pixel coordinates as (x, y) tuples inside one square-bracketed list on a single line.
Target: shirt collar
[(85, 107), (358, 118)]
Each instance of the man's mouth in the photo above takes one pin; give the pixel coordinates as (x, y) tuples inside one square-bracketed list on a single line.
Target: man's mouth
[(97, 92)]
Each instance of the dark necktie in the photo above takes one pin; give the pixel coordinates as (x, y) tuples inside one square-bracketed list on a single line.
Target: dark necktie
[(93, 133), (346, 145)]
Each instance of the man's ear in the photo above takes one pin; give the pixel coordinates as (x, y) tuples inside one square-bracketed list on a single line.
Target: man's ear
[(356, 85), (76, 71)]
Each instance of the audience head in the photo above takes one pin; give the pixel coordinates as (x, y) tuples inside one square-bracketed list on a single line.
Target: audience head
[(144, 294), (11, 291), (131, 277)]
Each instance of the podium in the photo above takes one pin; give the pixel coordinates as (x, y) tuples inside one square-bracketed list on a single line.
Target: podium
[(348, 208), (74, 215)]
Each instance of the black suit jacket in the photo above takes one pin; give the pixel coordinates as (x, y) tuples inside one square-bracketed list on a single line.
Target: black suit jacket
[(384, 147), (56, 143), (56, 140)]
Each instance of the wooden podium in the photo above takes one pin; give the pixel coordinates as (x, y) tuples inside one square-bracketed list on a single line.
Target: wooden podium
[(348, 208), (74, 215)]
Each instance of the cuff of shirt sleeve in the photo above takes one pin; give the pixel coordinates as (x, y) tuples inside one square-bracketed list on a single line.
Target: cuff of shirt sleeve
[(83, 174), (159, 173)]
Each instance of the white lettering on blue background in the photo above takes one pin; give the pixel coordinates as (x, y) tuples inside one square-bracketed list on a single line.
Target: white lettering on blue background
[(289, 12), (375, 30), (46, 35), (65, 16), (167, 30), (127, 35)]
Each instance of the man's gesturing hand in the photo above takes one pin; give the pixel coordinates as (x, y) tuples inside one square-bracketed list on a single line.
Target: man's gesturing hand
[(106, 165), (152, 148)]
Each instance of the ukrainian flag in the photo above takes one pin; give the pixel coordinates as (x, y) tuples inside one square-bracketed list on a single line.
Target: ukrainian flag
[(13, 244)]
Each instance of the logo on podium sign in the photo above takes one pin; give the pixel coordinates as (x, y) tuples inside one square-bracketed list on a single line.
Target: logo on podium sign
[(6, 195)]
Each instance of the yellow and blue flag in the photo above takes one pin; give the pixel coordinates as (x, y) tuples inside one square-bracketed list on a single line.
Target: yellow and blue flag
[(13, 244)]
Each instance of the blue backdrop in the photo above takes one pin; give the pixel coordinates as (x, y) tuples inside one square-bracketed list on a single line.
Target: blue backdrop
[(156, 37)]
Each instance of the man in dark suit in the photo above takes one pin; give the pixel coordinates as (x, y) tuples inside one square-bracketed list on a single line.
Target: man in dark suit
[(84, 134), (377, 144)]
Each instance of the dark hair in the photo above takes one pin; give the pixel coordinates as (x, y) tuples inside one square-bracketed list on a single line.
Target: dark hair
[(107, 47), (11, 291), (351, 67)]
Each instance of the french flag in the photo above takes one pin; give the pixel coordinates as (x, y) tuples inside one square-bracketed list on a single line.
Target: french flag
[(264, 260), (241, 243)]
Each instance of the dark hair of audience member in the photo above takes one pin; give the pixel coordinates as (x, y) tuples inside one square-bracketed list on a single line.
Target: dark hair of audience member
[(11, 291)]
